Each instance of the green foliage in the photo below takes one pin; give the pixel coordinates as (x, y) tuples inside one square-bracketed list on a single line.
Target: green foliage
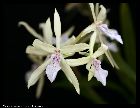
[(128, 34)]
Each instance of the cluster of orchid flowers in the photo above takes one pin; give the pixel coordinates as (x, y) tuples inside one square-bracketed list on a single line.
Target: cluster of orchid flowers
[(56, 50)]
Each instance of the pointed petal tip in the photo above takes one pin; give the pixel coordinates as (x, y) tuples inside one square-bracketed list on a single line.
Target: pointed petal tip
[(51, 80), (55, 11), (19, 24), (121, 41), (103, 83), (78, 91), (89, 79), (28, 86)]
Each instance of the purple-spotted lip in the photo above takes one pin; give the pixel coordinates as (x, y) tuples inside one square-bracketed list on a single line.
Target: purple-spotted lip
[(97, 64)]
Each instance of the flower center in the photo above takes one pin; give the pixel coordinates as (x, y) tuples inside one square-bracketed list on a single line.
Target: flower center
[(97, 64), (98, 23), (56, 57)]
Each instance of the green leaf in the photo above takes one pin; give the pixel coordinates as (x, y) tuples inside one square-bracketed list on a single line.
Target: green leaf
[(128, 34)]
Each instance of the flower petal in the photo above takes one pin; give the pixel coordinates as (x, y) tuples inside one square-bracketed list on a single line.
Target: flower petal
[(78, 62), (30, 30), (101, 76), (111, 33), (70, 41), (100, 73), (53, 68), (66, 34), (100, 51), (36, 74), (115, 35), (44, 46), (84, 53), (40, 86), (96, 9), (102, 14), (92, 10), (47, 31), (57, 28), (35, 51), (70, 74), (90, 68), (111, 60), (92, 42), (74, 48), (87, 30)]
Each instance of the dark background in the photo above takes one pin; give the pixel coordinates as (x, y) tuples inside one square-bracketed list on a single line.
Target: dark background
[(16, 39)]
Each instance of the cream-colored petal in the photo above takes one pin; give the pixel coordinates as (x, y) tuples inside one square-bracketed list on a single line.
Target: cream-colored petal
[(93, 11), (90, 68), (70, 74), (30, 30), (100, 51), (102, 14), (35, 51), (87, 30), (40, 86), (90, 75), (78, 62), (74, 48), (57, 28), (68, 32), (47, 31), (68, 55), (41, 25), (43, 46), (97, 9), (92, 42), (84, 53), (111, 60), (70, 41), (36, 74)]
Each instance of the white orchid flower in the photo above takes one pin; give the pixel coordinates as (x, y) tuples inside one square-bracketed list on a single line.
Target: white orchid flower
[(57, 54), (37, 54), (93, 65), (101, 28)]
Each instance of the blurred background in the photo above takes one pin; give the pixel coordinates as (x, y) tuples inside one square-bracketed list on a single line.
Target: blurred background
[(121, 84)]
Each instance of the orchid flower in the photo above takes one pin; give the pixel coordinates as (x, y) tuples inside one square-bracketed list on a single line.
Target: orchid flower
[(101, 28), (37, 56), (93, 65), (57, 54)]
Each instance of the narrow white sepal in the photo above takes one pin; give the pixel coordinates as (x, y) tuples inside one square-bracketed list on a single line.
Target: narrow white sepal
[(57, 28)]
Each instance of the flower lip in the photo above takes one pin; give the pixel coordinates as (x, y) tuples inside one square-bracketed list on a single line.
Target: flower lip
[(53, 68), (97, 64), (100, 73)]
